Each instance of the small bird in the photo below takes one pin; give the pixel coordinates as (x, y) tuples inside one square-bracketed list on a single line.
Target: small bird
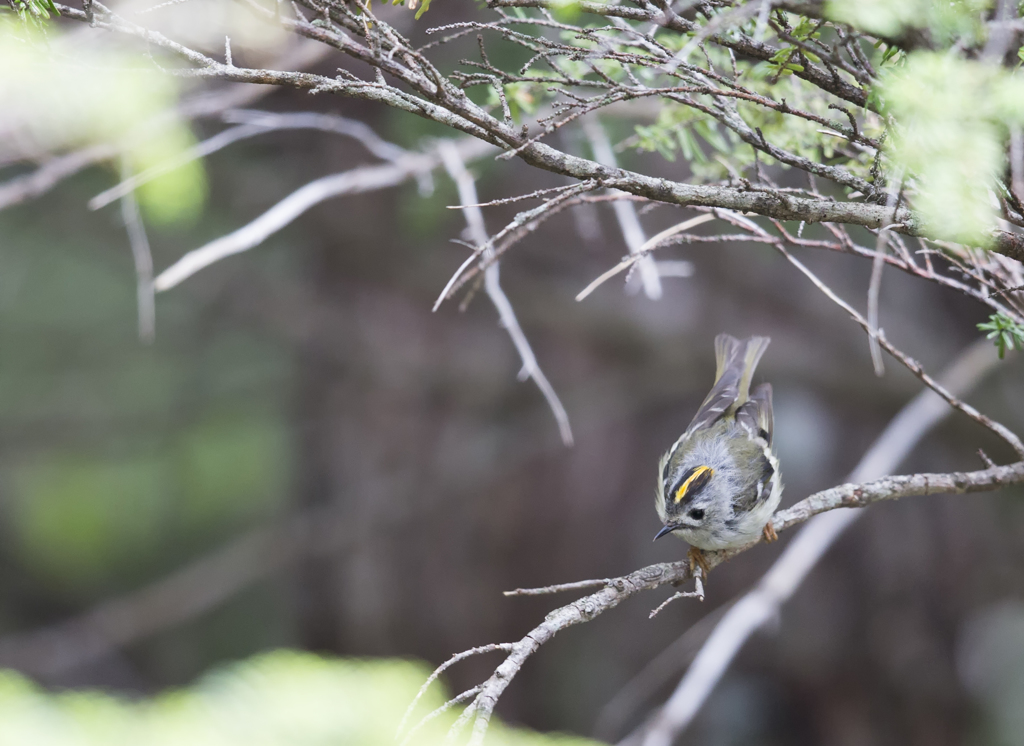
[(719, 484)]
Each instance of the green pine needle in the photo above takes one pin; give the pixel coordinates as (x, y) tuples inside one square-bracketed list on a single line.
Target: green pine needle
[(1005, 331)]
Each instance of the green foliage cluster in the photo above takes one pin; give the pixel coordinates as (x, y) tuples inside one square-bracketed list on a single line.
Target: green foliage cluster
[(786, 60), (680, 129), (33, 10), (951, 122), (713, 152), (278, 699), (944, 20), (1005, 332), (944, 119)]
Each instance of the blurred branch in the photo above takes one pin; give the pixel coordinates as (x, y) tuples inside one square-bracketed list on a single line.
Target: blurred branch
[(357, 180), (202, 104), (250, 124), (32, 185), (778, 585), (652, 677), (183, 595), (877, 265), (456, 167), (143, 258), (625, 211)]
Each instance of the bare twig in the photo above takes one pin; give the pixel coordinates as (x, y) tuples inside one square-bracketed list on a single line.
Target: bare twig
[(456, 167), (912, 365), (497, 647), (642, 252), (560, 588), (517, 198), (523, 223), (364, 179), (456, 700), (697, 593)]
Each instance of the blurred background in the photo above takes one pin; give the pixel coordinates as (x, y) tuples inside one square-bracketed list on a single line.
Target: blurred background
[(307, 457)]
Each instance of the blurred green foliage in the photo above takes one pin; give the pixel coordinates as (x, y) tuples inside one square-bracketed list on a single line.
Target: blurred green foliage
[(34, 11), (282, 698), (951, 123), (122, 460), (942, 19), (76, 518), (61, 105)]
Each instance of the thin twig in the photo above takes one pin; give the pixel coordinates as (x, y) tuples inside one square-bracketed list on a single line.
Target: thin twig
[(560, 588), (456, 168), (697, 593), (496, 647), (643, 251), (912, 365), (456, 700), (510, 200), (364, 179), (143, 258), (625, 212)]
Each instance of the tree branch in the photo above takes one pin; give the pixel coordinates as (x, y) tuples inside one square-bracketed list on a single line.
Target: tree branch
[(456, 110), (619, 589)]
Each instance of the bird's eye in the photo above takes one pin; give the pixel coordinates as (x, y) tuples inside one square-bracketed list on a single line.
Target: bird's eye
[(696, 514)]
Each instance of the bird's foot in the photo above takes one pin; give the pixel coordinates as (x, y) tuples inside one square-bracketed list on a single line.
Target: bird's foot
[(697, 559), (769, 532)]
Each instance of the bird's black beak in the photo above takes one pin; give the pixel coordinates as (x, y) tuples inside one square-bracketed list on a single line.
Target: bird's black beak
[(665, 530)]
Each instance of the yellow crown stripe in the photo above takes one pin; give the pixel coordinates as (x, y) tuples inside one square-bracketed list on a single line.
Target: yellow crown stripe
[(698, 473)]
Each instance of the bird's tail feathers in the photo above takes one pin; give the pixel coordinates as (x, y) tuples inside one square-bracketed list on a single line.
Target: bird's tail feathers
[(740, 359)]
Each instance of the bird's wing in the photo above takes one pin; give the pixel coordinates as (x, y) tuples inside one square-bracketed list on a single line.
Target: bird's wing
[(759, 489), (756, 414)]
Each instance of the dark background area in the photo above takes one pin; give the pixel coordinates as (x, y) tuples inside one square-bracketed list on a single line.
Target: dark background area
[(310, 372)]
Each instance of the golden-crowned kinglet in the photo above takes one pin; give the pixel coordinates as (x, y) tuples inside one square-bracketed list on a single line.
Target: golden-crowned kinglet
[(719, 484)]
